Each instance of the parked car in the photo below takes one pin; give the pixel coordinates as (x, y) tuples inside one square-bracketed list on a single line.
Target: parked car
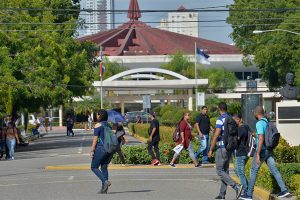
[(32, 120), (131, 117)]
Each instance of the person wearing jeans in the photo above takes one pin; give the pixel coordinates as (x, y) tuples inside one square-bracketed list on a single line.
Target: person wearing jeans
[(241, 157), (262, 154), (203, 127), (11, 139), (223, 156), (98, 154), (153, 140)]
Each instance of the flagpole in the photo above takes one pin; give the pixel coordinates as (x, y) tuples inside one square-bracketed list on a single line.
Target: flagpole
[(101, 79), (196, 83)]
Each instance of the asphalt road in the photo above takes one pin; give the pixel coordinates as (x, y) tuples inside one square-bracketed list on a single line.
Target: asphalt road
[(26, 177)]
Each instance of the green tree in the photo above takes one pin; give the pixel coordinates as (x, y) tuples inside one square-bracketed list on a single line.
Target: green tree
[(219, 79), (275, 53), (44, 65)]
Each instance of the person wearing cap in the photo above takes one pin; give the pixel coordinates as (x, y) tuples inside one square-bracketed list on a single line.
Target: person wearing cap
[(153, 139)]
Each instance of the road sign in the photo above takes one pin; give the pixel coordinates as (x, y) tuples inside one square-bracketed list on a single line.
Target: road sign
[(146, 102), (200, 99)]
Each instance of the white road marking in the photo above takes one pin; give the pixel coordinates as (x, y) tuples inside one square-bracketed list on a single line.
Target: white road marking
[(80, 149), (71, 178)]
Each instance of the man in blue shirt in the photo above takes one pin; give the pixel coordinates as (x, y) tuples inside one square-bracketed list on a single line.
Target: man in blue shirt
[(223, 156), (263, 155)]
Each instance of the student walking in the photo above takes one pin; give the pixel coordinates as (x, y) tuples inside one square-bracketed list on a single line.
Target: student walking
[(262, 155), (241, 151), (185, 130), (203, 127), (222, 155), (121, 139), (153, 140), (2, 142), (98, 154), (11, 139), (70, 124)]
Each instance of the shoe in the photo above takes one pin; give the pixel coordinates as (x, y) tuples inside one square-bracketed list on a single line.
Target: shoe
[(154, 162), (105, 187), (123, 165), (198, 165), (245, 197), (158, 164), (283, 194), (238, 189), (172, 165), (220, 197)]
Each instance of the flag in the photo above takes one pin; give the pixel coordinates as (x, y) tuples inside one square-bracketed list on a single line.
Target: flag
[(202, 57), (102, 67)]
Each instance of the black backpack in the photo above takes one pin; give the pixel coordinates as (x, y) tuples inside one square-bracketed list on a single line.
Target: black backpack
[(272, 136), (230, 136)]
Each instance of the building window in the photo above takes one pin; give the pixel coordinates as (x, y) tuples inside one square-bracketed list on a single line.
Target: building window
[(255, 75), (239, 75), (247, 75)]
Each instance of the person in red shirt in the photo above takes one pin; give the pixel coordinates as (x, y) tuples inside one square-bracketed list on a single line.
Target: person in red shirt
[(185, 139)]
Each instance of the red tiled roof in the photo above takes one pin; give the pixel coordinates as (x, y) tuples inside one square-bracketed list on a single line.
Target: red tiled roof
[(137, 38)]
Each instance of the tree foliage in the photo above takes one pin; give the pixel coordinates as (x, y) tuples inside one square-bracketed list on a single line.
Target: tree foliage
[(41, 62), (219, 79), (275, 53)]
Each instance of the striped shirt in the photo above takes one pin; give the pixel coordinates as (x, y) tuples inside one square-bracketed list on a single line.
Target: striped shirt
[(220, 124)]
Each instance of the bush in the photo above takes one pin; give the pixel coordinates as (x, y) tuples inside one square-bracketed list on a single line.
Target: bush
[(284, 154), (139, 154)]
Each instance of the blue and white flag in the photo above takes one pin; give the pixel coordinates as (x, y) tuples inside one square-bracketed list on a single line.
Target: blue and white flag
[(202, 57)]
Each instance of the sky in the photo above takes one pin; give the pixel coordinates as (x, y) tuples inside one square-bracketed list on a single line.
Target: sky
[(220, 33)]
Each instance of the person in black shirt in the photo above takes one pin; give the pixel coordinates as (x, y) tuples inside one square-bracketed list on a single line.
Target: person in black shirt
[(241, 152), (153, 139), (203, 127)]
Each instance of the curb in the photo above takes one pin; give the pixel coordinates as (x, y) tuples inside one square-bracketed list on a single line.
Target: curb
[(120, 167)]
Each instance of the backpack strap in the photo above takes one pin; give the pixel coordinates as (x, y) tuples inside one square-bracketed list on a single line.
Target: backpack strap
[(262, 119)]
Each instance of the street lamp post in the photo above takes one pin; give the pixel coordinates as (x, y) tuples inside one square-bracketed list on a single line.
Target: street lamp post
[(274, 30)]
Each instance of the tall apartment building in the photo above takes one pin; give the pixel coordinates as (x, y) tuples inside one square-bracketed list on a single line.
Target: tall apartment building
[(95, 21), (181, 22)]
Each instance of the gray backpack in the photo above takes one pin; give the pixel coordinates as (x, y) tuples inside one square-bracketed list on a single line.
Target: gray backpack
[(272, 136), (110, 143)]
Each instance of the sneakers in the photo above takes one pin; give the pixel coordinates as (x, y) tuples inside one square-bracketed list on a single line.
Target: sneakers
[(220, 197), (198, 165), (245, 197), (105, 187), (172, 165), (283, 194), (155, 162), (238, 189)]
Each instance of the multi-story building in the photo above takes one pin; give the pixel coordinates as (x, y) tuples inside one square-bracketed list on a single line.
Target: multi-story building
[(94, 19), (181, 22)]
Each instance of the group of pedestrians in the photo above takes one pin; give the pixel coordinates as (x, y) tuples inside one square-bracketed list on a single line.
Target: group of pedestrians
[(262, 154), (223, 155)]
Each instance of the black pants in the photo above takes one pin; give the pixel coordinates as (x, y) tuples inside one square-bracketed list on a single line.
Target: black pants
[(70, 130), (156, 149)]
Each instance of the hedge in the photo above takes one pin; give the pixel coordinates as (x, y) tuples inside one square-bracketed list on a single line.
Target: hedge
[(139, 154)]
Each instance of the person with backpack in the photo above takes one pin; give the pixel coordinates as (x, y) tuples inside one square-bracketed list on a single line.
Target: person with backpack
[(225, 137), (203, 127), (244, 133), (267, 138), (120, 132), (185, 130), (153, 140), (99, 152), (12, 138)]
